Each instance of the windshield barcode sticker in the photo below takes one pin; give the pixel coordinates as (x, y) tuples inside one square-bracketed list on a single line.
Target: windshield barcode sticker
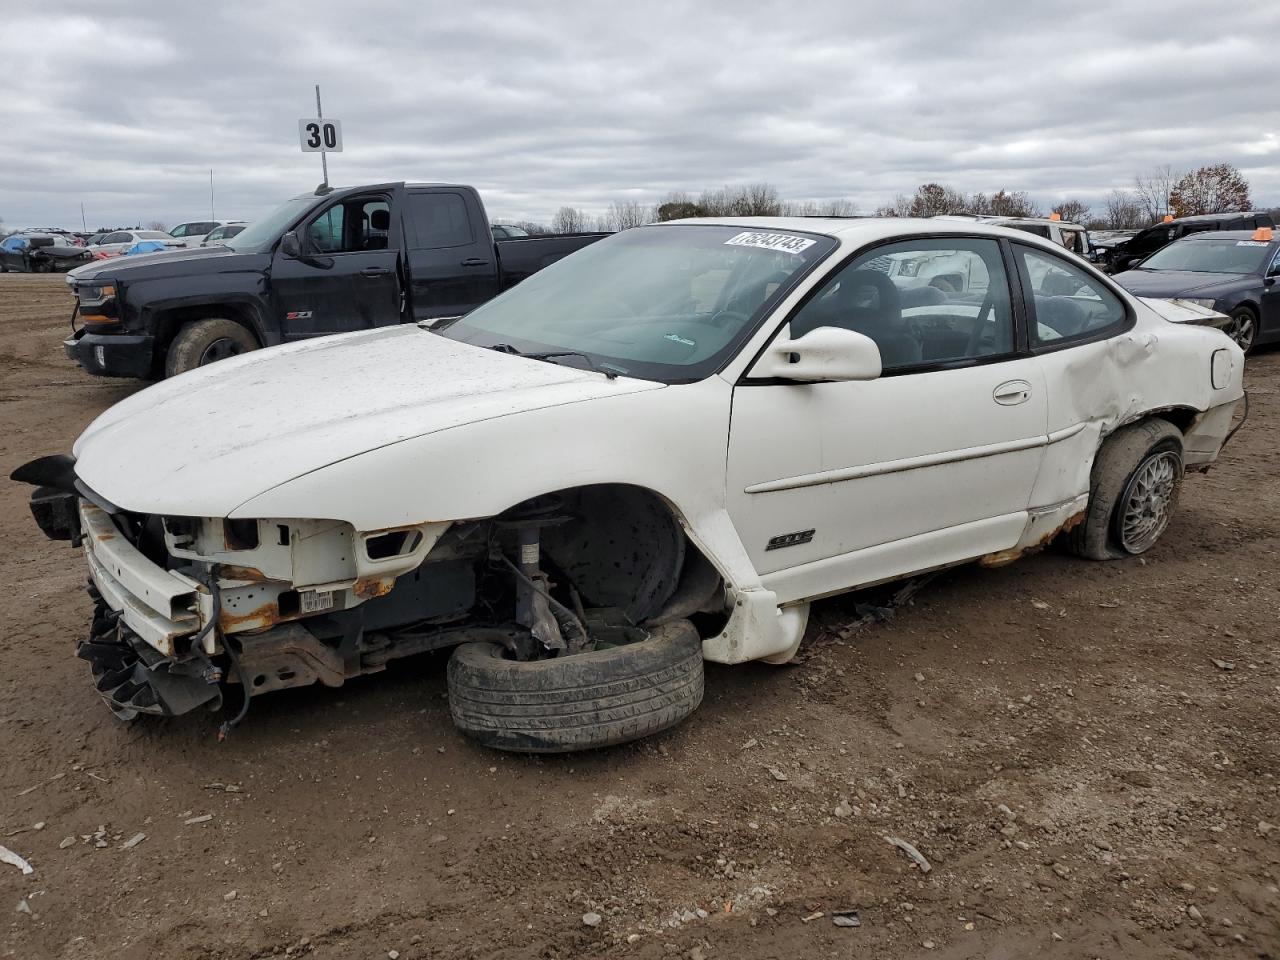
[(314, 601), (1251, 243), (771, 241)]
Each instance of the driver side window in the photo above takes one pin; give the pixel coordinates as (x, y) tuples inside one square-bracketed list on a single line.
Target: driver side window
[(924, 302)]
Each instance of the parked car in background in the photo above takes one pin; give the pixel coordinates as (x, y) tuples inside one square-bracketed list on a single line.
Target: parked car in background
[(41, 253), (322, 263), (224, 232), (193, 232), (506, 231), (114, 244), (1072, 236), (1233, 272), (1124, 255), (656, 452)]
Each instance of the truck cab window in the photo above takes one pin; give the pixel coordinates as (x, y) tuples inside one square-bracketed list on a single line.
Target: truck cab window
[(362, 223), (440, 220)]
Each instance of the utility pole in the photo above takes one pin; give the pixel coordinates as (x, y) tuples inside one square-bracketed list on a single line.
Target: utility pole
[(212, 214), (324, 163)]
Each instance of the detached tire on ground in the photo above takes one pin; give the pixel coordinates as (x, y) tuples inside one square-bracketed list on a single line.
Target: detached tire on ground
[(1133, 492), (580, 702), (207, 341)]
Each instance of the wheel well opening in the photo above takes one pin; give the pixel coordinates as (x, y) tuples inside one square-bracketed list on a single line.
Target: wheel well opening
[(1181, 417), (625, 546), (169, 322)]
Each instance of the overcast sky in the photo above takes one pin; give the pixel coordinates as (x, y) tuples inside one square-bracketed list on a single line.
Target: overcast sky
[(126, 106)]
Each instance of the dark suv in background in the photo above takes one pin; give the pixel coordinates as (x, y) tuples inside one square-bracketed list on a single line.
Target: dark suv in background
[(1124, 256)]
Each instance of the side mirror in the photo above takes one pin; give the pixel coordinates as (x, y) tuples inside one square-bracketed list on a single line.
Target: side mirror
[(824, 354), (290, 246)]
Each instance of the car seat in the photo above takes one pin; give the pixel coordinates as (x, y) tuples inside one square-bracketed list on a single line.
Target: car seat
[(878, 317), (378, 220)]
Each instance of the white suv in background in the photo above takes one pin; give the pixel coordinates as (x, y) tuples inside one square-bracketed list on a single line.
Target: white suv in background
[(1070, 235), (194, 231)]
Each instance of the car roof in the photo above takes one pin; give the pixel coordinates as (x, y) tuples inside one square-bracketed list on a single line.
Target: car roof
[(1224, 235), (1211, 217), (855, 231)]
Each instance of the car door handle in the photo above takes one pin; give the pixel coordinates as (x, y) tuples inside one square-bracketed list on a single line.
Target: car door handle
[(374, 272), (475, 262), (1012, 392)]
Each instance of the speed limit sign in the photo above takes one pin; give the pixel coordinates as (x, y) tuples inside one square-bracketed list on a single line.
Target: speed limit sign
[(319, 135)]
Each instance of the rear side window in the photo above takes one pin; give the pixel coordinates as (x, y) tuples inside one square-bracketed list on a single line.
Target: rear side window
[(1038, 229), (1065, 303), (439, 220)]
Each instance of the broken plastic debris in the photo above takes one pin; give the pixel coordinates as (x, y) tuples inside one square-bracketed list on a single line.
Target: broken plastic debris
[(777, 774), (846, 918), (133, 841), (203, 818), (915, 855), (8, 856)]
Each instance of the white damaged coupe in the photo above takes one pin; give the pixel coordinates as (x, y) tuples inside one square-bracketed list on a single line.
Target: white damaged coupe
[(655, 452)]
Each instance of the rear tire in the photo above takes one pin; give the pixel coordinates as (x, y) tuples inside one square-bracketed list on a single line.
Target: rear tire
[(207, 341), (578, 702), (1138, 471)]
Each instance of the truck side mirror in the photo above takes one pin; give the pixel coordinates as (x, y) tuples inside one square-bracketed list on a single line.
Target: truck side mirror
[(290, 246), (823, 354)]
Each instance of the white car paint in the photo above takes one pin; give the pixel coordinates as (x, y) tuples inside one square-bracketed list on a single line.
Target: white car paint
[(898, 474), (118, 241), (193, 232)]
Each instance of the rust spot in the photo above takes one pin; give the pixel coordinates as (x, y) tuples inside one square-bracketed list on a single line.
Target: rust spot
[(228, 571), (103, 537), (1003, 557), (371, 587), (267, 615)]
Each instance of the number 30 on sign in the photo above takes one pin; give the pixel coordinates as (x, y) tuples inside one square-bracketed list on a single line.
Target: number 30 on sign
[(318, 135)]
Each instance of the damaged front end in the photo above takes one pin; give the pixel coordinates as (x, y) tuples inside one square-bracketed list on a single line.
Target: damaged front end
[(186, 609)]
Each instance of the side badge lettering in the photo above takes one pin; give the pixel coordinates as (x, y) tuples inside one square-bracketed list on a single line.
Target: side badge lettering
[(298, 315), (790, 539)]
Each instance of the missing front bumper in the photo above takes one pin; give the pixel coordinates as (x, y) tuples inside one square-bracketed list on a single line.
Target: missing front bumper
[(133, 678)]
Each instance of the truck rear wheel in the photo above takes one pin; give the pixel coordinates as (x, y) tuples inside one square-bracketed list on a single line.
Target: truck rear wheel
[(577, 702), (207, 341)]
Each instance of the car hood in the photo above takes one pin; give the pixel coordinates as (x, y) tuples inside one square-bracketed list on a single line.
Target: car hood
[(123, 267), (1172, 283), (205, 442)]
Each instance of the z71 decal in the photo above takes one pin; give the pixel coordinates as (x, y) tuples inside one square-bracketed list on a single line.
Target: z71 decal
[(789, 539), (298, 315)]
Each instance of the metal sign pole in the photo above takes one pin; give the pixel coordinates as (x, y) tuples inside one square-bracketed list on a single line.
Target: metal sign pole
[(324, 163)]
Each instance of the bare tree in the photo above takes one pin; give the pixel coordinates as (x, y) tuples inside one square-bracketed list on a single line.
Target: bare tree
[(1219, 188), (934, 199), (1073, 211), (1015, 204), (1125, 211), (627, 214), (569, 220), (679, 210), (157, 225), (1154, 190)]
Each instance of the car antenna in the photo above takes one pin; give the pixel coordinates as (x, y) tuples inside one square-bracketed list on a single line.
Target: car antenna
[(323, 189)]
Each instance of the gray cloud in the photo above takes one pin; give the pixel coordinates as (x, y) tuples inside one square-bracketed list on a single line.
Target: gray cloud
[(582, 103)]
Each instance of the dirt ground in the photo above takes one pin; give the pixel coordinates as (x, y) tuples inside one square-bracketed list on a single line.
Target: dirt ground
[(1054, 736)]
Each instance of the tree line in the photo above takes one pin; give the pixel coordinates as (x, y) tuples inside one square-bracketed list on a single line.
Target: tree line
[(1216, 188)]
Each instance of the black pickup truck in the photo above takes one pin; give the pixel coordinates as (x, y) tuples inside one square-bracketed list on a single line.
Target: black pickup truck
[(321, 263)]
